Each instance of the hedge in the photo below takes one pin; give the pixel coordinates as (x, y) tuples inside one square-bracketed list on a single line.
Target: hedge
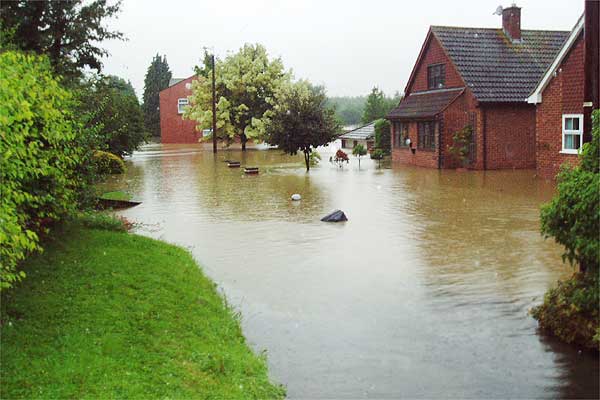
[(108, 163), (38, 157)]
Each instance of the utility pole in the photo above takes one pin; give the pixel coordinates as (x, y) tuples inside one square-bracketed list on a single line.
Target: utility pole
[(214, 106)]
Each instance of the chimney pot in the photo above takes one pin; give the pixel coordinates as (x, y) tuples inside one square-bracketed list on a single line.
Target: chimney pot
[(511, 22)]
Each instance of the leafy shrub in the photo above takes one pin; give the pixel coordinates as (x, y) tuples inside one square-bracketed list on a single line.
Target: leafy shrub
[(113, 113), (314, 158), (108, 163), (461, 147), (570, 311), (340, 158), (573, 215), (377, 154), (38, 157), (383, 135)]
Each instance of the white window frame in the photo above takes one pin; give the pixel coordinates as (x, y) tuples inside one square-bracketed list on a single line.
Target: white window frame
[(578, 132), (183, 102)]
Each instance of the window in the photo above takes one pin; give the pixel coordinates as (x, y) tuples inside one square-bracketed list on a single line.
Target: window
[(400, 134), (436, 76), (426, 135), (572, 133), (181, 104)]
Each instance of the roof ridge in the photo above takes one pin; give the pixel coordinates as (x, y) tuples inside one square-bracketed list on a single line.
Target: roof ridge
[(494, 29)]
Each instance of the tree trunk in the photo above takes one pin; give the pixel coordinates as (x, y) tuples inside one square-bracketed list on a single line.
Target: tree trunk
[(307, 160), (243, 139)]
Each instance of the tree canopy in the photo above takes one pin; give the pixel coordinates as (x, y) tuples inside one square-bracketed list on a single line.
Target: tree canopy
[(378, 105), (349, 110), (68, 32), (113, 114), (246, 85), (157, 78), (301, 121)]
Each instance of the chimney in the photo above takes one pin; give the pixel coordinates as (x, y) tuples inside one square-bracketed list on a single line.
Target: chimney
[(511, 22)]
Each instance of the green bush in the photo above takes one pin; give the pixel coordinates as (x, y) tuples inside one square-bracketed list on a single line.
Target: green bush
[(377, 154), (461, 145), (573, 215), (383, 136), (38, 157), (108, 163), (570, 311)]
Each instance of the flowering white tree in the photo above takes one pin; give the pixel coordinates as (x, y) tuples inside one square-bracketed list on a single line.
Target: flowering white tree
[(246, 84)]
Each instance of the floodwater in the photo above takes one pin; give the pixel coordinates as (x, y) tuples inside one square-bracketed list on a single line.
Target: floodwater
[(423, 293)]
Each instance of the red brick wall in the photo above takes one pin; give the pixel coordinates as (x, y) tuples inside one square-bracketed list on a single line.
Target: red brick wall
[(421, 158), (173, 128), (456, 117), (563, 95), (434, 54), (510, 136)]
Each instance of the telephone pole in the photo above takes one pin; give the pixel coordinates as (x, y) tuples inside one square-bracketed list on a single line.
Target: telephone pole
[(214, 106)]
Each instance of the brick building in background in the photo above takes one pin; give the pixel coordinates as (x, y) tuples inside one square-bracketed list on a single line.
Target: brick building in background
[(482, 78), (173, 128)]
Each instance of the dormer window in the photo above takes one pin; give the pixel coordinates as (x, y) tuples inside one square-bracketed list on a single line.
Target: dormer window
[(436, 76)]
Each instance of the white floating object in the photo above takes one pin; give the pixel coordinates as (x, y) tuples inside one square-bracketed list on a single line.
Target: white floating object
[(296, 197)]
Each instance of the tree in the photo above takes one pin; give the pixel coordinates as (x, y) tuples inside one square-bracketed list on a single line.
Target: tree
[(358, 151), (573, 215), (246, 84), (68, 32), (378, 105), (348, 109), (113, 114), (383, 135), (301, 122), (157, 78)]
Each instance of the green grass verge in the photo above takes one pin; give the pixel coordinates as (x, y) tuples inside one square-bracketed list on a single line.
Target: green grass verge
[(107, 314), (116, 195)]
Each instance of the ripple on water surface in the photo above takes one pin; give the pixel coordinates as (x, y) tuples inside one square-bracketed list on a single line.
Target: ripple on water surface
[(424, 292)]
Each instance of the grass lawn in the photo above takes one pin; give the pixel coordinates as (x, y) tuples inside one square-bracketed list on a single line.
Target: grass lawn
[(106, 314), (117, 195)]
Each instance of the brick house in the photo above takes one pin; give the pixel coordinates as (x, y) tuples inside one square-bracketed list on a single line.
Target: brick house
[(566, 94), (173, 128), (479, 77)]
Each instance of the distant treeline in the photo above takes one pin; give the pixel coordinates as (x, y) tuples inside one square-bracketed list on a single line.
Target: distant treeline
[(363, 109), (348, 109)]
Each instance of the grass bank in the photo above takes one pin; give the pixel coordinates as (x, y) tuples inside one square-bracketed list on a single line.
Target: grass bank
[(107, 314)]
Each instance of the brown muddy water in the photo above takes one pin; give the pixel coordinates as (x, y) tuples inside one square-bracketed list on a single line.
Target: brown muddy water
[(423, 293)]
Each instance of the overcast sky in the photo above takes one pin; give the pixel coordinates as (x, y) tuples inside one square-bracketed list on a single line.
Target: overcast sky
[(347, 45)]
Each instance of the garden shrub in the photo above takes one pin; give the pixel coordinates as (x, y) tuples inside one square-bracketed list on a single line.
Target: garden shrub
[(573, 215), (461, 145), (38, 157), (108, 163), (570, 311), (377, 154), (383, 136)]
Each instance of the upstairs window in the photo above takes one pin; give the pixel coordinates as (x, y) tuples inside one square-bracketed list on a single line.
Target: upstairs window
[(436, 76), (181, 104), (426, 135), (572, 133)]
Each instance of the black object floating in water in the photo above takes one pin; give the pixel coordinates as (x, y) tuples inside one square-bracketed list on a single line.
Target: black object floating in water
[(336, 216)]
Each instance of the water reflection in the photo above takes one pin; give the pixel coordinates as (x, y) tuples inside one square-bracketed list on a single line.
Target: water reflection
[(424, 292)]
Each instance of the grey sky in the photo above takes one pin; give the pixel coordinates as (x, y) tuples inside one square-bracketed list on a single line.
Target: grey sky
[(349, 46)]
